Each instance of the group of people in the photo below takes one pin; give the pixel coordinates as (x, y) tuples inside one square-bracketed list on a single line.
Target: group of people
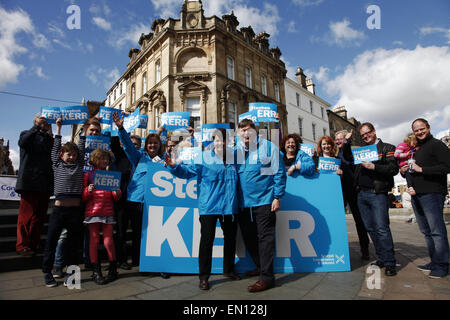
[(247, 193)]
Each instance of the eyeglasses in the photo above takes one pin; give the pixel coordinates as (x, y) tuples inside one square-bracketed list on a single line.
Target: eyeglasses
[(363, 135)]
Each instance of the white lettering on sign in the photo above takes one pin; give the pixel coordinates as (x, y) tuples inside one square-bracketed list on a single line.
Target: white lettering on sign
[(107, 181), (366, 155), (74, 115), (176, 122), (162, 179), (328, 166), (92, 145), (300, 235), (266, 113)]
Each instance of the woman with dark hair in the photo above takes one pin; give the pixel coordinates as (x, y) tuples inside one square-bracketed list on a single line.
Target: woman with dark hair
[(326, 148), (152, 152), (294, 158)]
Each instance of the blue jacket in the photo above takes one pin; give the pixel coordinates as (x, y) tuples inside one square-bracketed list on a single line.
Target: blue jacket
[(139, 160), (262, 176), (216, 183), (307, 166)]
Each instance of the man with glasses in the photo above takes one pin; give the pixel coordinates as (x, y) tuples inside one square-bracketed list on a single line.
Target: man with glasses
[(373, 181)]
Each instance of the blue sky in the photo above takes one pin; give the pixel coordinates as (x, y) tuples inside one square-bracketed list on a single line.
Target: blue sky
[(388, 76)]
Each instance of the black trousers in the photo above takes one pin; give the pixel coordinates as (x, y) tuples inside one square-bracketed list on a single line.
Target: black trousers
[(207, 234), (258, 231), (351, 197), (71, 219), (135, 210), (123, 221)]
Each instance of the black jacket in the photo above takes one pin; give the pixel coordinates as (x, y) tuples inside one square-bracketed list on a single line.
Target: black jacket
[(35, 170), (386, 168), (434, 158)]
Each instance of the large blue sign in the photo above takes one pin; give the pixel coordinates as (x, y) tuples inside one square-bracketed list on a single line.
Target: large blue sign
[(328, 165), (105, 114), (249, 115), (367, 153), (69, 115), (94, 142), (175, 120), (311, 234), (132, 121)]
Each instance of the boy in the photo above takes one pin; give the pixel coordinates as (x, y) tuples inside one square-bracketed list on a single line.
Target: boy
[(68, 163)]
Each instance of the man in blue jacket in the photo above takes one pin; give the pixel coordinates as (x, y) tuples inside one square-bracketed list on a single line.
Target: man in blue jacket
[(262, 182)]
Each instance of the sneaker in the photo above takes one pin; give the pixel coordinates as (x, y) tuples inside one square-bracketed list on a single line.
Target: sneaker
[(426, 267), (378, 263), (390, 271), (125, 266), (436, 274), (49, 280), (58, 272)]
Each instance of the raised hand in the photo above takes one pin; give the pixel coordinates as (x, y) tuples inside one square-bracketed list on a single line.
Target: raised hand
[(349, 135), (168, 161), (118, 120), (58, 125)]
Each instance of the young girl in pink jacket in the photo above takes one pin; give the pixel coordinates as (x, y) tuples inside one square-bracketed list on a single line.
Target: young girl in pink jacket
[(99, 215)]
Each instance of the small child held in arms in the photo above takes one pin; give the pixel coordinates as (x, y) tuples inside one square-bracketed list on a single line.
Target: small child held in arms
[(404, 152), (67, 163), (99, 215)]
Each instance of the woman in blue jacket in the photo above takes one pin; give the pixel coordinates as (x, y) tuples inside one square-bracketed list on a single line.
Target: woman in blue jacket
[(217, 199), (153, 152), (294, 158)]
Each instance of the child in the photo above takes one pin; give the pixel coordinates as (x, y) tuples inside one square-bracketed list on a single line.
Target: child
[(404, 152), (100, 216), (67, 163)]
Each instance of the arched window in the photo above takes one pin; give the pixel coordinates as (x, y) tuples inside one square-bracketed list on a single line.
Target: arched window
[(277, 92), (230, 68), (133, 93), (264, 85), (158, 71), (144, 83)]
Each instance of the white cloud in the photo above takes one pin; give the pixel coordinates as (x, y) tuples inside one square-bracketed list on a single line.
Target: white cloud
[(40, 73), (307, 3), (430, 30), (62, 44), (101, 23), (15, 158), (128, 36), (291, 27), (167, 8), (391, 88), (321, 76), (104, 77), (343, 34), (41, 41)]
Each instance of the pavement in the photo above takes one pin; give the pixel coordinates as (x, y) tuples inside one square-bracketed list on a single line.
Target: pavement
[(358, 284)]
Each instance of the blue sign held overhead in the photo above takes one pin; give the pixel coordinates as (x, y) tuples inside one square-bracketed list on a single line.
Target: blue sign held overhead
[(311, 234), (132, 121), (328, 165), (265, 112), (175, 120), (74, 114), (366, 153), (105, 114), (249, 115), (143, 121), (107, 180), (51, 114), (94, 142)]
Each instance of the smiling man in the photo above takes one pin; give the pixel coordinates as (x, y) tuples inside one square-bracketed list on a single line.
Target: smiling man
[(374, 180)]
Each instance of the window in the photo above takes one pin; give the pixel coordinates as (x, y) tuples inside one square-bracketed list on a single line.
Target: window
[(120, 89), (133, 93), (144, 83), (297, 96), (321, 111), (115, 94), (157, 117), (109, 101), (232, 113), (230, 68), (311, 106), (264, 85), (158, 71), (300, 127), (324, 131), (248, 77), (277, 92), (193, 106), (314, 131)]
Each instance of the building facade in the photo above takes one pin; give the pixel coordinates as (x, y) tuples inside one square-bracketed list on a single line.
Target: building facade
[(205, 66), (307, 113), (338, 121)]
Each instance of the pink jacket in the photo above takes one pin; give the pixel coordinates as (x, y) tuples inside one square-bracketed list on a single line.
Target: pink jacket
[(99, 203), (402, 153)]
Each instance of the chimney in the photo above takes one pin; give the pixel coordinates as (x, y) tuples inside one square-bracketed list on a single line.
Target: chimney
[(301, 78), (310, 86)]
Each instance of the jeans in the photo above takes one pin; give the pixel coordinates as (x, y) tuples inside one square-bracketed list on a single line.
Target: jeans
[(429, 210), (374, 209), (60, 249)]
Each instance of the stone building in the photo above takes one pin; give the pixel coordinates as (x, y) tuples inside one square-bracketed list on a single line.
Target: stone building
[(203, 65), (307, 113), (6, 166), (338, 120)]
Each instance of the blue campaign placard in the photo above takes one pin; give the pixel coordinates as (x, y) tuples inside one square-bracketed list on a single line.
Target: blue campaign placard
[(311, 234), (162, 135), (94, 142), (132, 121), (265, 112), (51, 114), (143, 121), (249, 115), (105, 114), (366, 153), (209, 128), (328, 165), (74, 114), (307, 148), (107, 180), (175, 120)]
